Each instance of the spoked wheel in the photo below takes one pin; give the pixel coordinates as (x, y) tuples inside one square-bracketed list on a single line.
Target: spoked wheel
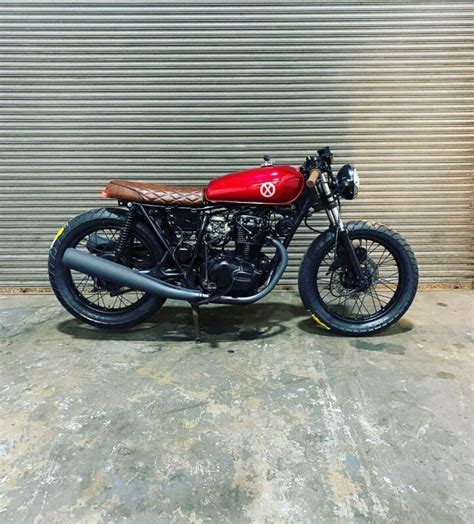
[(338, 300), (340, 292), (93, 300)]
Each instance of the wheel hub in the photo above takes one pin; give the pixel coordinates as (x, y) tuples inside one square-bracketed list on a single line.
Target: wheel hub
[(343, 279), (99, 284)]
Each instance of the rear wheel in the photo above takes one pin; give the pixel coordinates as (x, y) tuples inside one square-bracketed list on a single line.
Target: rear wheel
[(95, 301), (336, 299)]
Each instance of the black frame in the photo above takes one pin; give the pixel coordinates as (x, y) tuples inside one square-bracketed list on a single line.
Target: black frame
[(306, 201)]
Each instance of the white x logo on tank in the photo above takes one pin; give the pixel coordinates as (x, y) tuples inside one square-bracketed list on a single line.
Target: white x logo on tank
[(267, 189)]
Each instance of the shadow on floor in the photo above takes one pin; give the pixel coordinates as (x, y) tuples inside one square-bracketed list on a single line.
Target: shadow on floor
[(222, 323), (218, 324)]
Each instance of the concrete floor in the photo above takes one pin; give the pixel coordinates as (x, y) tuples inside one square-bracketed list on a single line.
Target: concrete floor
[(270, 420)]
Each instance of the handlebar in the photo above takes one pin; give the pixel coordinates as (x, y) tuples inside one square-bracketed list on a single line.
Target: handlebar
[(314, 174)]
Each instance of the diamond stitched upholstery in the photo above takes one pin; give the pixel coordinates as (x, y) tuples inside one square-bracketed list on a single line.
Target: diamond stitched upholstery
[(159, 194)]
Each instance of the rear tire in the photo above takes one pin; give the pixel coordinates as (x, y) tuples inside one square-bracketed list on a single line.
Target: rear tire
[(67, 292), (329, 317)]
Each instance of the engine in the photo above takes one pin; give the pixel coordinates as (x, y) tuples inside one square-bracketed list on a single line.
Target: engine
[(242, 271), (232, 261)]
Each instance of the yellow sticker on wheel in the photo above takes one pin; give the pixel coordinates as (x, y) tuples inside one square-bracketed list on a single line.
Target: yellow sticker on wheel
[(57, 235), (319, 322)]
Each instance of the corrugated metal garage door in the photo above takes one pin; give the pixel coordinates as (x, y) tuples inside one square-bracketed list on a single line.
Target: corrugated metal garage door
[(185, 91)]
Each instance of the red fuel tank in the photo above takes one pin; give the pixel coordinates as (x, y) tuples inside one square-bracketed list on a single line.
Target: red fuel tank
[(272, 185)]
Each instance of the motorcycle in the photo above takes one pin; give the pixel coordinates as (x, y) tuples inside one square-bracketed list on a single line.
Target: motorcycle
[(227, 243)]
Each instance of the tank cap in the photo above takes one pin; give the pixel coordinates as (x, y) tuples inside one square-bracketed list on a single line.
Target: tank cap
[(267, 161)]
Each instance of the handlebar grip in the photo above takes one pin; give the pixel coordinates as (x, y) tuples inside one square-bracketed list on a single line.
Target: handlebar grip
[(313, 177)]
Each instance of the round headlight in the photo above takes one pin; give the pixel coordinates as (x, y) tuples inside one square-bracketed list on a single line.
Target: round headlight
[(348, 182)]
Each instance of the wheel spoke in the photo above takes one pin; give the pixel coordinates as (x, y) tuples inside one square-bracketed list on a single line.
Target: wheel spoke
[(373, 302), (354, 306), (380, 296), (386, 286), (376, 296)]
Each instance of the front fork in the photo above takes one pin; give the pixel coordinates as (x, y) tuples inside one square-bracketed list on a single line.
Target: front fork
[(334, 216)]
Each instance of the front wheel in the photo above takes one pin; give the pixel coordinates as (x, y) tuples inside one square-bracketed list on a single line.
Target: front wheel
[(337, 300)]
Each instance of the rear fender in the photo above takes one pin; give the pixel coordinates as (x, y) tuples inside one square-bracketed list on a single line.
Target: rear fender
[(98, 244)]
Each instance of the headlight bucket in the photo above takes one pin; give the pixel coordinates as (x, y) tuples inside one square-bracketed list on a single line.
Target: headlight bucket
[(348, 182)]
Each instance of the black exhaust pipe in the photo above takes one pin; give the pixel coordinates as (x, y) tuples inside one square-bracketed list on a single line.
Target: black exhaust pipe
[(124, 276)]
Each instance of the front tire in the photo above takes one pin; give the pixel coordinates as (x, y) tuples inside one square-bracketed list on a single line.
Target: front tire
[(351, 310), (108, 312)]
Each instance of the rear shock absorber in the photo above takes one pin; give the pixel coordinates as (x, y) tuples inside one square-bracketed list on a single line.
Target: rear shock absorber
[(124, 238)]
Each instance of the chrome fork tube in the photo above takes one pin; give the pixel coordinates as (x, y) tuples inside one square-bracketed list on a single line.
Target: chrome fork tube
[(335, 218), (332, 208)]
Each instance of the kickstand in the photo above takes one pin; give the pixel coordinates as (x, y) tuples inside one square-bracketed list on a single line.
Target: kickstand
[(197, 328)]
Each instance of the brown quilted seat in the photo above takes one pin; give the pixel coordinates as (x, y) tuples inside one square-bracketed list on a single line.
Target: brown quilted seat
[(158, 194)]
